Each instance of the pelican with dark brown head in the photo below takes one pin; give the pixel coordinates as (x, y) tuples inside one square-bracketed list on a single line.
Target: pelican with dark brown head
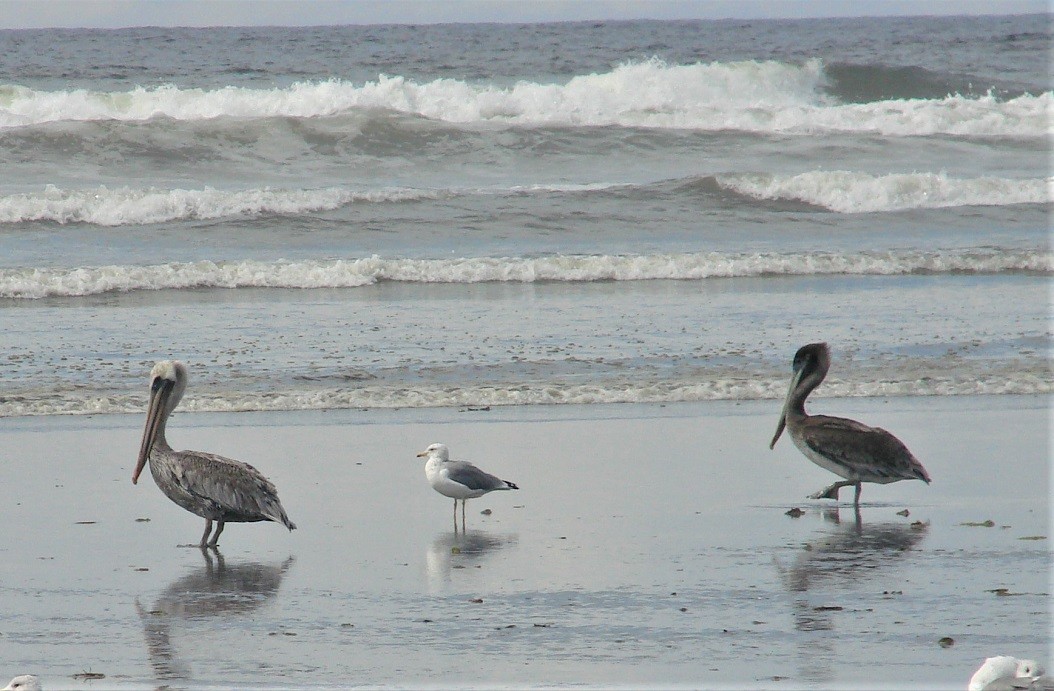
[(847, 448), (207, 485)]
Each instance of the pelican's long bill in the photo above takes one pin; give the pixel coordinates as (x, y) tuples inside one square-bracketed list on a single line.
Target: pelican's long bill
[(155, 415), (795, 379)]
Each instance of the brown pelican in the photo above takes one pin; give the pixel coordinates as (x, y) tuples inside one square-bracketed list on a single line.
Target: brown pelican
[(213, 487), (845, 447), (458, 479), (23, 682)]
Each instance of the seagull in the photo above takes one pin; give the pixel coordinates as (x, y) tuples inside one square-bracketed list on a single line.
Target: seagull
[(845, 447), (23, 682), (458, 479), (213, 487), (1005, 673)]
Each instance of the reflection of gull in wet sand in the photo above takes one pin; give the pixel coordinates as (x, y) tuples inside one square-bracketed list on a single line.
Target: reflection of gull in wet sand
[(460, 550), (213, 487), (23, 682), (845, 447), (1005, 673), (216, 590), (458, 479)]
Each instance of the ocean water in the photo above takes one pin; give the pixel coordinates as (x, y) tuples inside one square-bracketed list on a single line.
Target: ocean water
[(475, 215)]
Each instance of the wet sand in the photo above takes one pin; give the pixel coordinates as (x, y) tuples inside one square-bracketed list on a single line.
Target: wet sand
[(649, 546)]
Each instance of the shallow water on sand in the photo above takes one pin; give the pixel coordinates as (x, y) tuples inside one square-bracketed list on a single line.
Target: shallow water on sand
[(648, 545)]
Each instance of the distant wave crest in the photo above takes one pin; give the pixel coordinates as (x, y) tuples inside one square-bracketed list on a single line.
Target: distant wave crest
[(853, 192), (753, 96), (839, 191), (36, 283), (128, 206)]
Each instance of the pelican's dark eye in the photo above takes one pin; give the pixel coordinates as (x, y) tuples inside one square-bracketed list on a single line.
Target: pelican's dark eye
[(156, 384)]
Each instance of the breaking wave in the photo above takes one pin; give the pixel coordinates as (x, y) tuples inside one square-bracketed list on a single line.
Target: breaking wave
[(127, 206), (839, 191), (36, 283), (853, 192), (753, 96)]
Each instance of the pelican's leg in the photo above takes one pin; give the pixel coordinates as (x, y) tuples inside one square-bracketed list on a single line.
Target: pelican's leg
[(832, 491), (208, 529), (208, 561), (463, 502), (216, 537), (856, 499)]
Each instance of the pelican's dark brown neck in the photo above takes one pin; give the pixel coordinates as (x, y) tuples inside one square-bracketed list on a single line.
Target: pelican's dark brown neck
[(811, 362), (796, 402)]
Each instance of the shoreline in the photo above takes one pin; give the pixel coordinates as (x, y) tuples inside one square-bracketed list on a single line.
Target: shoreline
[(648, 545)]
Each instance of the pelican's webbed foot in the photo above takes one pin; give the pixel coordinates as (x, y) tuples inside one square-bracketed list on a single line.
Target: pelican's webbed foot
[(832, 491), (827, 493)]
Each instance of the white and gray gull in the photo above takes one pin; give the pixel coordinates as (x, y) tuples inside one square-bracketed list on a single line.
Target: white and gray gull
[(458, 479), (1006, 673), (205, 484), (23, 682), (847, 448)]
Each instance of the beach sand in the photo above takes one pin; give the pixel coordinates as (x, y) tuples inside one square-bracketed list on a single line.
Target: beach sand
[(648, 546)]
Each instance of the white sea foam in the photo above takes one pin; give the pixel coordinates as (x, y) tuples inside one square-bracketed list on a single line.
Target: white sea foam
[(854, 192), (128, 206), (840, 191), (34, 283), (987, 116), (967, 383), (754, 96)]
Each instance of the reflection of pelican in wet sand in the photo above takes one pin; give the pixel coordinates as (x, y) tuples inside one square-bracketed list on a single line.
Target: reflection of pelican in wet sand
[(215, 590), (213, 487), (463, 550), (846, 447), (821, 572), (852, 550)]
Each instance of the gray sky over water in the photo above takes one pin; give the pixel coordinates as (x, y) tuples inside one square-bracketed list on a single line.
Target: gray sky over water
[(20, 14)]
